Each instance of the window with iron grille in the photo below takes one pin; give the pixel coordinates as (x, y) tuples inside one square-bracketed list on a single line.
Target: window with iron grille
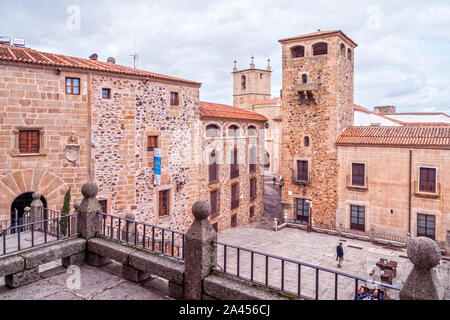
[(73, 86), (152, 143), (302, 170), (253, 188), (234, 166), (213, 167), (358, 174), (358, 218), (106, 93), (29, 141), (214, 197), (302, 211), (235, 196), (320, 48), (426, 226), (104, 205), (427, 181), (164, 203), (174, 99)]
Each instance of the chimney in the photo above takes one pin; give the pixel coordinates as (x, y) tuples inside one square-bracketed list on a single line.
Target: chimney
[(94, 57), (385, 109)]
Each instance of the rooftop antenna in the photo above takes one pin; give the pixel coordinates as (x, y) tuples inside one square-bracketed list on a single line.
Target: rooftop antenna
[(135, 57)]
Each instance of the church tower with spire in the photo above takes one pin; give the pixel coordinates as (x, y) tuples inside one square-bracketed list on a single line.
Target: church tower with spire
[(252, 85)]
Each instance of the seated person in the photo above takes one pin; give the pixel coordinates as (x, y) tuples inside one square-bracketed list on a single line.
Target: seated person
[(362, 295), (377, 295)]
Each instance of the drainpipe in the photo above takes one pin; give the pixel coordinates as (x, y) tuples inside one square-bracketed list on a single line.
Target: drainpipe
[(410, 186)]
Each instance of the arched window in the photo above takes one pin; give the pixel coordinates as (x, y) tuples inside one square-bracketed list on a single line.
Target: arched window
[(244, 82), (349, 54), (320, 48), (213, 167), (307, 142), (212, 131), (252, 131), (342, 49), (298, 52), (304, 78), (233, 131)]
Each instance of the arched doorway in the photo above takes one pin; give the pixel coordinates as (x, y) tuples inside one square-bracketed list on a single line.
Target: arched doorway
[(18, 207)]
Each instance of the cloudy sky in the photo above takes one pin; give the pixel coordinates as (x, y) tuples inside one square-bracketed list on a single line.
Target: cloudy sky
[(402, 58)]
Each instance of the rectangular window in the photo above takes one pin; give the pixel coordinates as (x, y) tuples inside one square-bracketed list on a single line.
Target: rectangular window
[(73, 86), (252, 211), (358, 174), (302, 171), (357, 218), (235, 196), (427, 180), (106, 93), (152, 143), (214, 197), (29, 141), (104, 205), (426, 226), (252, 166), (253, 189), (234, 167), (212, 167), (164, 203), (302, 211), (174, 99)]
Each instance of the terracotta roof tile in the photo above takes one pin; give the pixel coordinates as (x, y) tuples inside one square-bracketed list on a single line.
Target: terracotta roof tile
[(360, 108), (30, 56), (209, 109), (438, 137), (319, 34)]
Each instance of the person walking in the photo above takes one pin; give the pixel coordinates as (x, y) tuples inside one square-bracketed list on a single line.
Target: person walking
[(340, 255), (281, 182), (274, 180)]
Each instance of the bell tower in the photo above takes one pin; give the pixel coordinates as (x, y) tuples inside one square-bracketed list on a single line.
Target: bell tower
[(317, 105), (251, 85)]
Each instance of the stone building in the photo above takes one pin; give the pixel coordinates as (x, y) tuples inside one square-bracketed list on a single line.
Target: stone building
[(66, 120)]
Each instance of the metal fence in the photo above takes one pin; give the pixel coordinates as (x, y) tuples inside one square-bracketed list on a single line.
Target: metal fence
[(29, 234), (292, 277), (156, 239)]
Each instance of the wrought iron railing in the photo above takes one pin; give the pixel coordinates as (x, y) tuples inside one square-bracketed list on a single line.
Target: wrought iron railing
[(292, 277), (29, 234), (149, 237)]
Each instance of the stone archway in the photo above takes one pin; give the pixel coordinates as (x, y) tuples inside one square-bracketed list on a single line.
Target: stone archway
[(20, 182)]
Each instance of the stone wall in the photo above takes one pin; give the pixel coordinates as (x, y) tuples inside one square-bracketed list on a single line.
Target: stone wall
[(387, 172), (226, 144), (321, 119), (34, 98)]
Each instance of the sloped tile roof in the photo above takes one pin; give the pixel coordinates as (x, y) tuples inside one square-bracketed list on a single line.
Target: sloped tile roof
[(319, 34), (33, 57), (209, 109), (360, 108), (437, 137)]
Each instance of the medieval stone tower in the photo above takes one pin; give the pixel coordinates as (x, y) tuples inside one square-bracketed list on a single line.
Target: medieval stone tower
[(251, 85), (317, 105)]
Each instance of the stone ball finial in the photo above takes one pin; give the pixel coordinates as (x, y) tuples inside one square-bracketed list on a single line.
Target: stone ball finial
[(424, 253), (130, 216), (27, 209), (37, 196), (89, 190), (201, 210)]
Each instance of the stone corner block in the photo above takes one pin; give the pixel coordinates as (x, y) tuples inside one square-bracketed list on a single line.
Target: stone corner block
[(11, 265), (22, 279), (96, 260), (75, 260), (134, 275)]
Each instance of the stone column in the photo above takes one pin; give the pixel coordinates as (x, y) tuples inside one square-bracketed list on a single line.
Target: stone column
[(37, 211), (200, 251), (130, 226), (422, 283), (275, 224), (89, 221)]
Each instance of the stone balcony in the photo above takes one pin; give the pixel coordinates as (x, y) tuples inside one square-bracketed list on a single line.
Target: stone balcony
[(307, 87)]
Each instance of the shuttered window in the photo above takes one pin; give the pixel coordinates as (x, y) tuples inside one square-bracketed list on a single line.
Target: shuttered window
[(235, 196), (302, 170), (152, 143), (253, 189), (320, 48), (174, 99), (214, 196), (212, 167), (427, 180), (358, 174), (234, 167), (29, 141), (302, 211), (164, 203)]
